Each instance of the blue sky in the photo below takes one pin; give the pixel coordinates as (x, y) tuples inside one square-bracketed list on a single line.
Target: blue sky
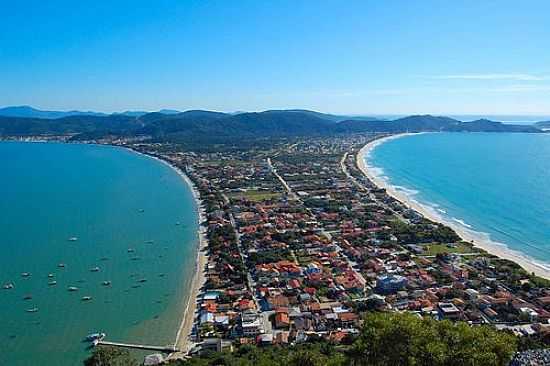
[(357, 57)]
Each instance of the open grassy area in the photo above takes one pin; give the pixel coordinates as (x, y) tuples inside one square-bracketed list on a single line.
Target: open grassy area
[(460, 248), (255, 196)]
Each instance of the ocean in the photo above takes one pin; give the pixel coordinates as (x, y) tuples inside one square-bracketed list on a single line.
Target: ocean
[(135, 220), (494, 184)]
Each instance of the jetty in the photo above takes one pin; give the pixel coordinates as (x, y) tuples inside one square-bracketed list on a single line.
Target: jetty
[(143, 347)]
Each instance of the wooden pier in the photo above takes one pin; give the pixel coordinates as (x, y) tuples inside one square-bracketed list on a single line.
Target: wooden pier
[(143, 347)]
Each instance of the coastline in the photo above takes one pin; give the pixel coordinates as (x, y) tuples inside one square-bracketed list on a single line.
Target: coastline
[(182, 341), (480, 240)]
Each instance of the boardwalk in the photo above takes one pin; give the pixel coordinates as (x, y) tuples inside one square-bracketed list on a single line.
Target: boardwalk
[(163, 349)]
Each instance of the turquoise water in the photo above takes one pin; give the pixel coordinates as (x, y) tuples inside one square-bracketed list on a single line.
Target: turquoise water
[(115, 202), (497, 184)]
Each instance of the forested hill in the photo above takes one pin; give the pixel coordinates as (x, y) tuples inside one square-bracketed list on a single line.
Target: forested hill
[(206, 124)]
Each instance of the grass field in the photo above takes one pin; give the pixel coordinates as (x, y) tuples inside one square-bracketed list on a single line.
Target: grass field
[(460, 248), (255, 196)]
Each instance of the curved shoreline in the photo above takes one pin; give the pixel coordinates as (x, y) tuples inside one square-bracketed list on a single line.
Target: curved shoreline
[(182, 340), (480, 240)]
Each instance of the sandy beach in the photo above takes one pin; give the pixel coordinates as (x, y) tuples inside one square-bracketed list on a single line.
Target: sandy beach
[(480, 240), (183, 340)]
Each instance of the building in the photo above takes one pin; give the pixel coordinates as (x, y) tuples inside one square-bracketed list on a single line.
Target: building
[(390, 284), (251, 324), (447, 310)]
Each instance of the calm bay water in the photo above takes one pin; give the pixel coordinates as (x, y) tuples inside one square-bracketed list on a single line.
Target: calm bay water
[(124, 209), (494, 183)]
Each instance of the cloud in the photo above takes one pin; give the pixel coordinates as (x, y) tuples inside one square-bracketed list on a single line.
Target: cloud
[(514, 77)]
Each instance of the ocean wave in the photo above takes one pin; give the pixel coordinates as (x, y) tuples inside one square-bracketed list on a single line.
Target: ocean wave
[(468, 232), (461, 222)]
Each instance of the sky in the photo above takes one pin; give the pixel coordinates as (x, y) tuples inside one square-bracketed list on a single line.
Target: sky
[(352, 57)]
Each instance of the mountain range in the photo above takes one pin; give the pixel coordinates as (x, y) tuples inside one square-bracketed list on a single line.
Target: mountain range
[(169, 125)]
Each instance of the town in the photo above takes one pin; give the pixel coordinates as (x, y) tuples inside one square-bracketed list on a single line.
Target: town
[(301, 244)]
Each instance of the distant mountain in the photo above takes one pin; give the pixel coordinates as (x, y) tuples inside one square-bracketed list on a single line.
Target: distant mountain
[(131, 113), (327, 116), (30, 112), (485, 125), (208, 125), (169, 111), (428, 123)]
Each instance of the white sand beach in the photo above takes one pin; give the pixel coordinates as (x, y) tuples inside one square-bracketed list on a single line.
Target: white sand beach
[(480, 240), (183, 340)]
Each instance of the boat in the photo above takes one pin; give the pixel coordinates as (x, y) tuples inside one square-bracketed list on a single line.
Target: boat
[(150, 242), (106, 283), (61, 265), (25, 274), (8, 286), (95, 269), (95, 337), (73, 238), (141, 210), (131, 250), (33, 310), (178, 223), (142, 280), (27, 297), (72, 288), (50, 275), (86, 298), (52, 283)]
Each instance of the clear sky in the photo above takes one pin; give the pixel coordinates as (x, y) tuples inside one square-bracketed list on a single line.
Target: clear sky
[(357, 57)]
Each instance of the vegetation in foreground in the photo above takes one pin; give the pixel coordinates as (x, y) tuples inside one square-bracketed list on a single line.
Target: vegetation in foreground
[(385, 339)]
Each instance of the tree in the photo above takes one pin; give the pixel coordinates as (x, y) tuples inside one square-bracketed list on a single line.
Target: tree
[(405, 339), (110, 356)]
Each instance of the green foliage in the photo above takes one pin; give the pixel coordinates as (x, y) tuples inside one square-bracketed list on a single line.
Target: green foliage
[(315, 354), (405, 339), (110, 356), (387, 339)]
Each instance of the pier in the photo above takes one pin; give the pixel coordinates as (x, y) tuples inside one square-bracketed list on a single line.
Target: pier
[(143, 347)]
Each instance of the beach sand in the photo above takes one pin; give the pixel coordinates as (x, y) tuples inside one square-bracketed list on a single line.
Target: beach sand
[(183, 340), (480, 240)]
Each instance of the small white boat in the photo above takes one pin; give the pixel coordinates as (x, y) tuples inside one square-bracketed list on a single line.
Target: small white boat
[(33, 310), (95, 269), (61, 265), (95, 336), (72, 288), (52, 283), (50, 275), (73, 238), (131, 250), (106, 283), (8, 286), (142, 280), (86, 298), (25, 274)]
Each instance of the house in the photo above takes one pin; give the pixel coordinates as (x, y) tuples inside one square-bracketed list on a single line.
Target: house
[(447, 310), (282, 320), (389, 284), (251, 324)]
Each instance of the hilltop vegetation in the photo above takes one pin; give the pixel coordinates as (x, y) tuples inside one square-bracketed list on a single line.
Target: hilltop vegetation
[(207, 125), (386, 339)]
